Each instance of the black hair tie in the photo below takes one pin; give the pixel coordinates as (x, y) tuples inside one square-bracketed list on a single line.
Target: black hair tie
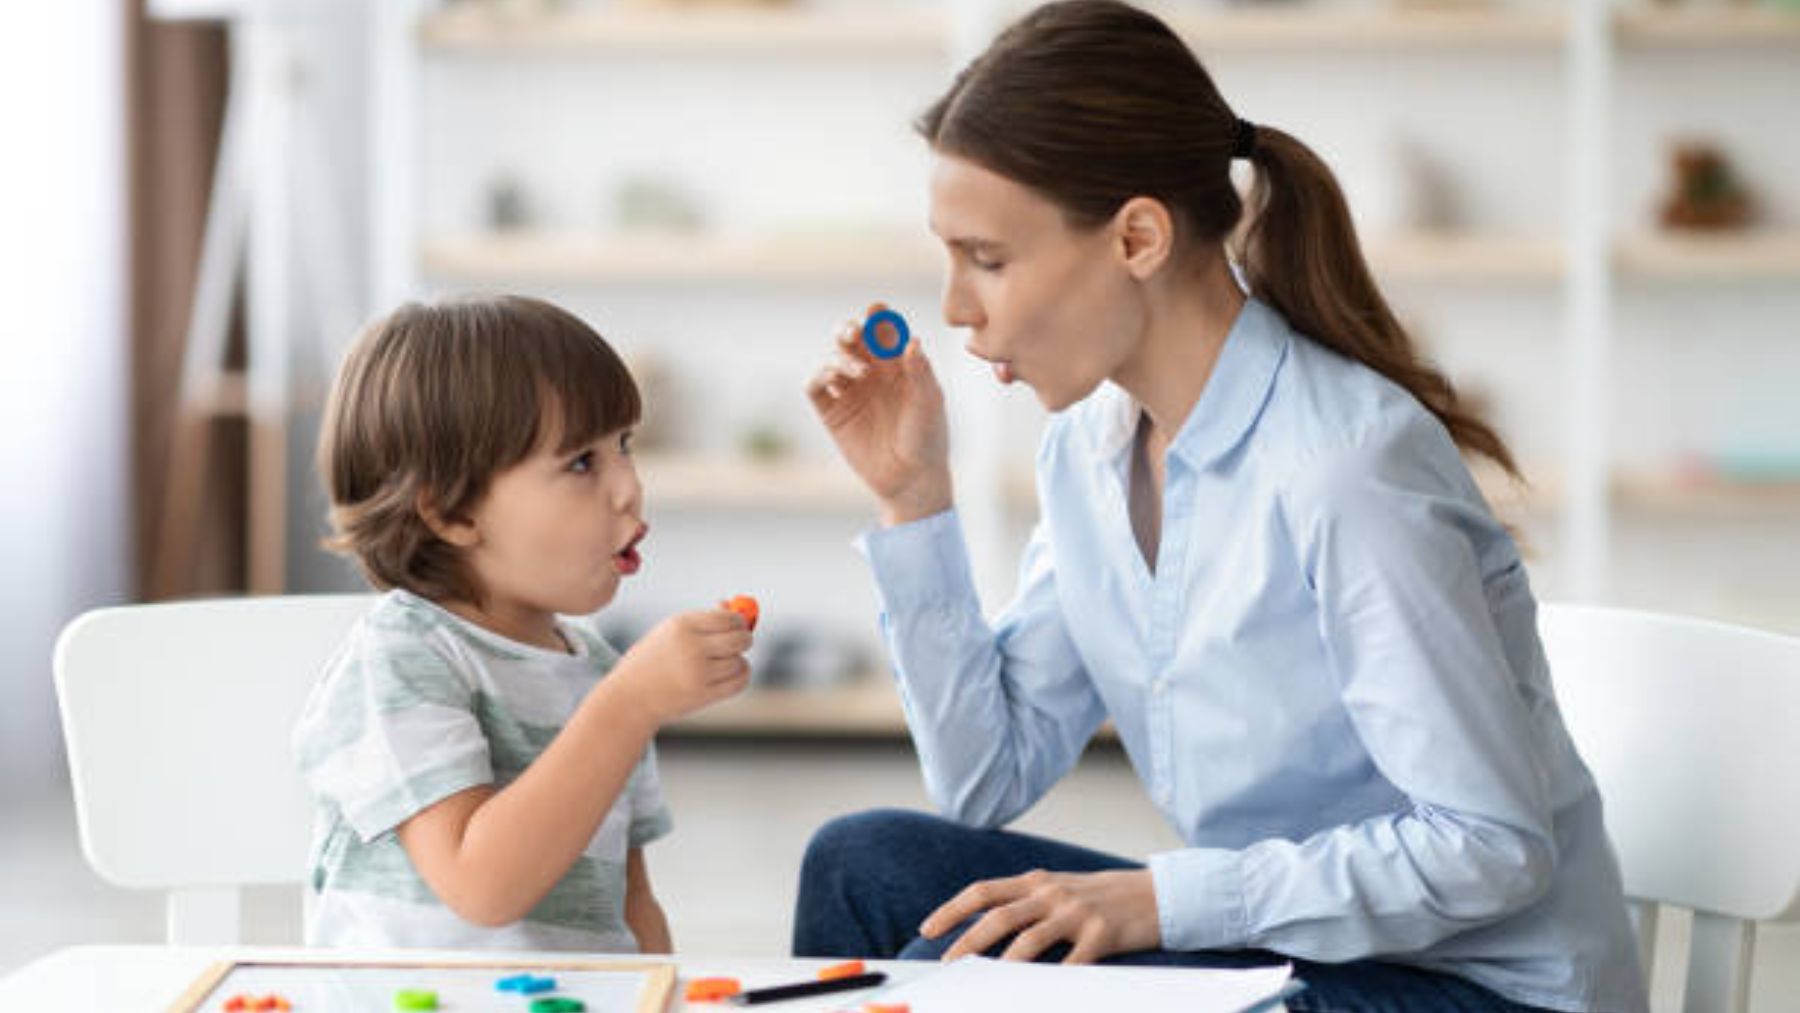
[(1244, 144)]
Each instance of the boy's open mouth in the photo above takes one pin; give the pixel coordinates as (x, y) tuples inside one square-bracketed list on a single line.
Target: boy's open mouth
[(627, 559)]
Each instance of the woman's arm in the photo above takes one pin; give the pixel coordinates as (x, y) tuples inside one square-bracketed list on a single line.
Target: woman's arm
[(998, 714)]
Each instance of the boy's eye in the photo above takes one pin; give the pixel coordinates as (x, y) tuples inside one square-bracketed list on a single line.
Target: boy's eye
[(582, 463), (625, 443)]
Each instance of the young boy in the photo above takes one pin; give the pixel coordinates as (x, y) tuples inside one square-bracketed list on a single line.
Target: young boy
[(483, 768)]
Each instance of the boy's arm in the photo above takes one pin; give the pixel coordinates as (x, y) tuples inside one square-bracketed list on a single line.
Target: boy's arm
[(490, 855), (643, 914)]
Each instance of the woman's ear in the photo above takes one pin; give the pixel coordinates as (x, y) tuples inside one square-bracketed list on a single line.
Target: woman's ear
[(1145, 235), (457, 531)]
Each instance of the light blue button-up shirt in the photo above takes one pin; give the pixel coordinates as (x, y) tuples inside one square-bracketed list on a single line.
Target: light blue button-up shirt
[(1331, 683)]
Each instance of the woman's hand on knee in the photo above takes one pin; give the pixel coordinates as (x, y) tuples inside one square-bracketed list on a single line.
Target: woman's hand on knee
[(1097, 913)]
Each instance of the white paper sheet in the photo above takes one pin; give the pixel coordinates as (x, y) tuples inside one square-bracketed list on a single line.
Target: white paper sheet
[(984, 985)]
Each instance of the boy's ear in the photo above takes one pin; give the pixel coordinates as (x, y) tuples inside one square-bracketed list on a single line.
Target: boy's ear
[(458, 531)]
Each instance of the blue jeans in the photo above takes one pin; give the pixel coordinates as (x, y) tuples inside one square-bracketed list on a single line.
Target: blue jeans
[(869, 879)]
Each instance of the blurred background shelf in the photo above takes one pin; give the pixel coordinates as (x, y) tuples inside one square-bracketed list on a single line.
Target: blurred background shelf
[(1466, 257), (661, 257), (901, 29), (1702, 257), (1722, 26), (1302, 27), (1417, 257), (846, 255), (886, 29), (720, 481), (867, 708)]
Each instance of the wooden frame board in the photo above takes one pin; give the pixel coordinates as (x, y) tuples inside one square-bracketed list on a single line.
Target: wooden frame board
[(655, 990)]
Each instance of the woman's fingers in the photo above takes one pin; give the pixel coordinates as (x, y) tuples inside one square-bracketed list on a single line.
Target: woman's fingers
[(1031, 943), (994, 926), (1089, 946), (974, 899)]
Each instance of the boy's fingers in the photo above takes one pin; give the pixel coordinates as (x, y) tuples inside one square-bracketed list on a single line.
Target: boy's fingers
[(732, 644), (714, 621), (723, 674)]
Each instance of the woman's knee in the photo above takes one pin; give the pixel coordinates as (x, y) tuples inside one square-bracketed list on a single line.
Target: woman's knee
[(866, 839)]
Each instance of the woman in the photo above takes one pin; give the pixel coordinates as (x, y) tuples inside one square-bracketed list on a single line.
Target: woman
[(1260, 554)]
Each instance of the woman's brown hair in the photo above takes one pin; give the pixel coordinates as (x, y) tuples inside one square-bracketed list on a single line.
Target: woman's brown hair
[(1093, 102), (433, 401)]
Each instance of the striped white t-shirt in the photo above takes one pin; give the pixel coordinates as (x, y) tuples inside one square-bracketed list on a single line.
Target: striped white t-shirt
[(417, 705)]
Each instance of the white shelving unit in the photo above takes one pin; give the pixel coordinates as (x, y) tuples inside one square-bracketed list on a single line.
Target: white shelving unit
[(1586, 264)]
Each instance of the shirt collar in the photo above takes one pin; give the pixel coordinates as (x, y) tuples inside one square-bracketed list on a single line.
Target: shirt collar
[(1228, 406)]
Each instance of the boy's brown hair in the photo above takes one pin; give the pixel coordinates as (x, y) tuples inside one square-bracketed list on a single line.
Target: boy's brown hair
[(432, 401)]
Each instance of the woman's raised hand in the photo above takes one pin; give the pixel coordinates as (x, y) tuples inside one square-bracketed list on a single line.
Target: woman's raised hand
[(887, 418)]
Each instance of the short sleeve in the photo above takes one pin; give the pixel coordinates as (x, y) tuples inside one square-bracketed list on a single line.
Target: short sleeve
[(650, 817), (390, 731)]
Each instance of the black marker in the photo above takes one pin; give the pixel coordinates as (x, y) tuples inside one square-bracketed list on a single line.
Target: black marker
[(776, 993)]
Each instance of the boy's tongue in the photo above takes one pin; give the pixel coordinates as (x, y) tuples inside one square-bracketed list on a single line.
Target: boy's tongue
[(628, 562)]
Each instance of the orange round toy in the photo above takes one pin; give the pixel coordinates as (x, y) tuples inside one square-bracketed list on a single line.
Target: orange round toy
[(745, 606)]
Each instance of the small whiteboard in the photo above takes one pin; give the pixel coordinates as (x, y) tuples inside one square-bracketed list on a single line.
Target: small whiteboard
[(350, 985)]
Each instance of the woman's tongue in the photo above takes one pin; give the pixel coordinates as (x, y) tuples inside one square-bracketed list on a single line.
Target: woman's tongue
[(1003, 372)]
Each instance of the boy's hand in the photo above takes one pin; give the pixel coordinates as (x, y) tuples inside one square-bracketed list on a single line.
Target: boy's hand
[(686, 662)]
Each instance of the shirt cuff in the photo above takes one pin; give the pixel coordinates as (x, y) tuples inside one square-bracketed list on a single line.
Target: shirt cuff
[(1200, 899), (918, 564)]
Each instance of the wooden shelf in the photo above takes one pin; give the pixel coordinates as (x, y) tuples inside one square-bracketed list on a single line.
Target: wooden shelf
[(849, 255), (1703, 257), (867, 708), (1311, 29), (785, 258), (1651, 494), (1472, 257), (875, 30), (713, 481), (1687, 29), (1666, 496)]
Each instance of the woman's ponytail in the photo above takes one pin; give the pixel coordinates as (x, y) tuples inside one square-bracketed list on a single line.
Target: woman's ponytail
[(1298, 252)]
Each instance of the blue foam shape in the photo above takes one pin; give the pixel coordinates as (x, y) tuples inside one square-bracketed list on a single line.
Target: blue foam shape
[(872, 338)]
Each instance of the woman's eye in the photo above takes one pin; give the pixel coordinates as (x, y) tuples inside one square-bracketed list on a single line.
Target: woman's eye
[(583, 463), (983, 264)]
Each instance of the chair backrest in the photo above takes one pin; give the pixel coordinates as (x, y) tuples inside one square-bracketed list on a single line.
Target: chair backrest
[(177, 720), (1690, 729)]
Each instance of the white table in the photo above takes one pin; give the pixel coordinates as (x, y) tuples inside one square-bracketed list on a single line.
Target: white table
[(147, 977)]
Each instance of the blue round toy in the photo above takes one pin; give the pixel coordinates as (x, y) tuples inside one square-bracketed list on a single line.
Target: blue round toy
[(871, 334)]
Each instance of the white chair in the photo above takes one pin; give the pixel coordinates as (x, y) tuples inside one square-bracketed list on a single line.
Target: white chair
[(1692, 729), (177, 719)]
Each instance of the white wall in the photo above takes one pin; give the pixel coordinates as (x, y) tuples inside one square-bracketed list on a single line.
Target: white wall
[(63, 393)]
